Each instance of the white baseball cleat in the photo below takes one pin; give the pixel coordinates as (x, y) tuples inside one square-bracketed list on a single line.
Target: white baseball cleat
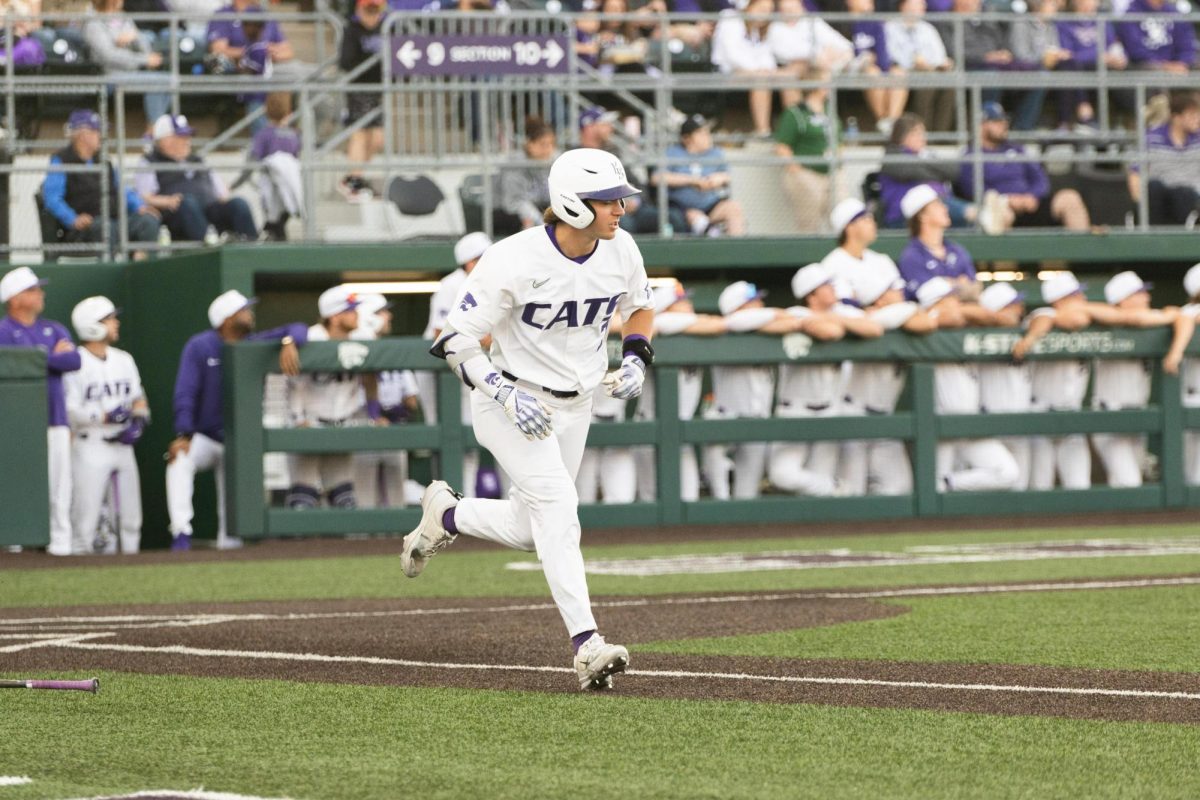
[(430, 536), (597, 661)]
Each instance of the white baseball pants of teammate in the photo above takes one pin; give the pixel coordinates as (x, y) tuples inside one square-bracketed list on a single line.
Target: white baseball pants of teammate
[(203, 454), (379, 479), (1021, 448), (1068, 457), (1122, 456), (608, 472), (1191, 458), (541, 513), (804, 467), (326, 472), (749, 463), (873, 466), (58, 452), (427, 392), (975, 465), (647, 474), (93, 460)]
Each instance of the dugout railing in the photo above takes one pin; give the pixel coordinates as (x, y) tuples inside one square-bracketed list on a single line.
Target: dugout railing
[(1163, 421)]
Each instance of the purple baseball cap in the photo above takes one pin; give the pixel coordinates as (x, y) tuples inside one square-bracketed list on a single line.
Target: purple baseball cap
[(83, 118), (595, 115)]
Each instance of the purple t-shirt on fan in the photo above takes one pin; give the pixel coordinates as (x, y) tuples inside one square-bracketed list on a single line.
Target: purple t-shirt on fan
[(869, 36), (45, 334), (275, 139), (231, 30), (917, 265)]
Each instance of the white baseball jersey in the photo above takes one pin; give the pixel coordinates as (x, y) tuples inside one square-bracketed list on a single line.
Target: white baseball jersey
[(1121, 383), (99, 386), (548, 315), (956, 389), (875, 387), (816, 387), (1005, 388), (850, 273), (324, 397), (1058, 385), (691, 379), (442, 301), (745, 391)]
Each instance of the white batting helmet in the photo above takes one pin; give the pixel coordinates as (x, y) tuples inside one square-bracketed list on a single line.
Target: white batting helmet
[(87, 318), (586, 174)]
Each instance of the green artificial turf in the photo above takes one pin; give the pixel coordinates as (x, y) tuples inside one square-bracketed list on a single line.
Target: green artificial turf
[(479, 573), (310, 741)]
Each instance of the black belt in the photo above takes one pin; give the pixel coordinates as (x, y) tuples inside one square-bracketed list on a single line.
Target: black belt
[(546, 389), (817, 406), (333, 423), (875, 412)]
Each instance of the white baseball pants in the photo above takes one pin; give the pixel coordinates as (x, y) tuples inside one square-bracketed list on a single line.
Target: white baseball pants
[(203, 455), (749, 464), (379, 479), (875, 466), (1068, 457), (1191, 457), (541, 513), (608, 472), (1021, 448), (58, 452), (93, 462), (1122, 456), (647, 474), (978, 465), (804, 467)]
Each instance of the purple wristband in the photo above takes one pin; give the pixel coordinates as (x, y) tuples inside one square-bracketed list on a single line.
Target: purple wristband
[(633, 337)]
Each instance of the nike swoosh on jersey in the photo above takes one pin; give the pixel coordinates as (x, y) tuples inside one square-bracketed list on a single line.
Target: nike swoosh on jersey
[(214, 362), (540, 284)]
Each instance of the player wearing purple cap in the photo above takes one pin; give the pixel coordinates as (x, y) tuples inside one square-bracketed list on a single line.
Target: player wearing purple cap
[(199, 442), (23, 297)]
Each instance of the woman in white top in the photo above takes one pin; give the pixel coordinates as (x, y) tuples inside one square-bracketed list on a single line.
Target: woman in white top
[(916, 46), (808, 44), (740, 47)]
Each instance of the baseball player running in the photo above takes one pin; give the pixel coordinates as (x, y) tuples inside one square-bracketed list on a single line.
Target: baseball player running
[(24, 299), (743, 392), (199, 442), (814, 390), (675, 315), (1185, 326), (1007, 388), (108, 413), (546, 296)]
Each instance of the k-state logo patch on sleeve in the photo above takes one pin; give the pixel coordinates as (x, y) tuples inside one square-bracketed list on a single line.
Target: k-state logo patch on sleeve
[(468, 302)]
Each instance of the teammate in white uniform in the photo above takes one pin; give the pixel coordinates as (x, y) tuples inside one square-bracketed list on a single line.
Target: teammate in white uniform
[(815, 390), (674, 315), (326, 400), (108, 413), (546, 296), (963, 465), (853, 264), (743, 392), (880, 466), (1006, 388), (467, 252), (1189, 385)]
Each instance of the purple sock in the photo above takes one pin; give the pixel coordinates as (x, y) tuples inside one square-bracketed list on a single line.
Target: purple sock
[(448, 521), (578, 639)]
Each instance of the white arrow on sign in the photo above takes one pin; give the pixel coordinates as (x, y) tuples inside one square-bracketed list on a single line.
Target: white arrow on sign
[(552, 53), (408, 54)]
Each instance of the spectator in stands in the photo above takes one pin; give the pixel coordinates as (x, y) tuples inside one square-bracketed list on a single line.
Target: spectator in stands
[(622, 43), (928, 253), (1173, 158), (916, 46), (197, 14), (805, 130), (985, 42), (360, 42), (1158, 44), (1080, 37), (522, 192), (279, 184), (871, 57), (75, 198), (27, 50), (189, 195), (698, 180), (806, 44), (246, 46), (896, 179), (1033, 39), (740, 48), (1023, 185), (117, 46)]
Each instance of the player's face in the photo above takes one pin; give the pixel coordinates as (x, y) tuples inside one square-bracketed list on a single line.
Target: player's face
[(31, 301), (243, 321), (112, 328), (937, 215), (823, 297), (608, 218), (1138, 301), (864, 229), (385, 319)]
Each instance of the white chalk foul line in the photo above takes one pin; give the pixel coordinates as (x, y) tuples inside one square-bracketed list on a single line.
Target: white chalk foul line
[(54, 642), (702, 676), (15, 780), (175, 794)]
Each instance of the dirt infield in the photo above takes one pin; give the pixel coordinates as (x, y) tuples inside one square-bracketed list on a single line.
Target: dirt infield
[(517, 644)]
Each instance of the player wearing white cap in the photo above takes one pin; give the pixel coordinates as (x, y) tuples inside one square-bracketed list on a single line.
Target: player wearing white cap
[(743, 392), (852, 263), (814, 390), (675, 315), (1006, 388), (546, 296), (879, 466), (1185, 326), (963, 465), (929, 253), (467, 252), (326, 400), (108, 413)]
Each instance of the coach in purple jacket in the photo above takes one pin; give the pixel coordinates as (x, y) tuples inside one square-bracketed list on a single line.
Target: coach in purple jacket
[(1023, 184), (1158, 43), (199, 442), (24, 300)]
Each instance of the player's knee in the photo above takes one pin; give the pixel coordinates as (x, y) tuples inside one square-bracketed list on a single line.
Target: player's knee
[(1007, 471), (551, 490)]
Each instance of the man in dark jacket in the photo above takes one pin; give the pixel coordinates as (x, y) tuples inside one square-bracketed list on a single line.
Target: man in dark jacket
[(188, 194), (76, 199)]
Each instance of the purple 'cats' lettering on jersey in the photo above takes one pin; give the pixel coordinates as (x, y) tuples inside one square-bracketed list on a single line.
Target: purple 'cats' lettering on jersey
[(97, 391), (593, 308), (568, 312), (565, 314), (530, 310), (468, 302)]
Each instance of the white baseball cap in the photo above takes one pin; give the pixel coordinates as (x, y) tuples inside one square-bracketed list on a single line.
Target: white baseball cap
[(808, 279), (916, 199), (1123, 285), (873, 285), (226, 305), (846, 212), (471, 247), (16, 281), (1191, 281), (336, 300), (88, 315), (736, 295), (668, 295), (999, 296), (172, 125), (1064, 284), (933, 290)]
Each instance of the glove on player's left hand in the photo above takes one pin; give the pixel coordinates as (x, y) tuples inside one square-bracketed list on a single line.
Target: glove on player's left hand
[(625, 382), (132, 432)]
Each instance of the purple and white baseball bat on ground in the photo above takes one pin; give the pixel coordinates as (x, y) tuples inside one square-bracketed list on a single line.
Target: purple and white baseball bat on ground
[(90, 685)]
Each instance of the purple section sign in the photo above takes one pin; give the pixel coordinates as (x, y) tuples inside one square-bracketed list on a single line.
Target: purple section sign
[(479, 55)]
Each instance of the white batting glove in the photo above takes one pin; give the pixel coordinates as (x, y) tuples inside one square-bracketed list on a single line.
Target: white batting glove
[(526, 411), (625, 382)]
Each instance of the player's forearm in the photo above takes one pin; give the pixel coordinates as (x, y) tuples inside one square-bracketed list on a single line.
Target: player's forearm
[(1185, 326), (640, 323), (67, 361)]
